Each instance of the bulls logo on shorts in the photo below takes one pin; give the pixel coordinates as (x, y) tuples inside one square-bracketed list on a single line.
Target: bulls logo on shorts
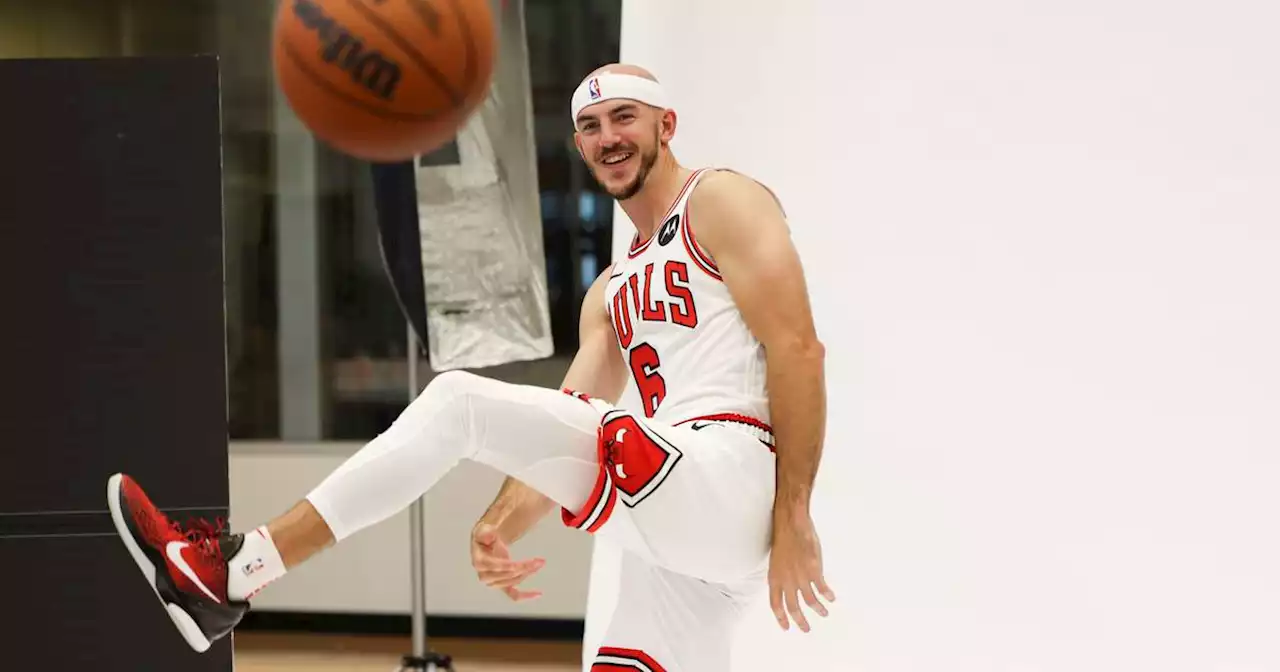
[(638, 458)]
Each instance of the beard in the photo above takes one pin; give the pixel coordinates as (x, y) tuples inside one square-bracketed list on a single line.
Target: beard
[(642, 174), (647, 161)]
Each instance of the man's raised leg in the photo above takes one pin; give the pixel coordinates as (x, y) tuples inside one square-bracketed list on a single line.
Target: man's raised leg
[(543, 437)]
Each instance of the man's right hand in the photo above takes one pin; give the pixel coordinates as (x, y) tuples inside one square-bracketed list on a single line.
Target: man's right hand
[(491, 558)]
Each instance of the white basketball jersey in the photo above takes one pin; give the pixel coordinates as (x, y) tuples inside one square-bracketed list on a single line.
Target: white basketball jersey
[(689, 352)]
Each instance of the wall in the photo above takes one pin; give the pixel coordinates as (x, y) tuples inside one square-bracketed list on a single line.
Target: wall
[(1041, 243)]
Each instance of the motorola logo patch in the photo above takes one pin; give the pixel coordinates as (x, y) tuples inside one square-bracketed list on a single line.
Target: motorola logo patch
[(667, 233)]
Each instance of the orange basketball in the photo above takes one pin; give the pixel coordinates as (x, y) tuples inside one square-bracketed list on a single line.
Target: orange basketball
[(384, 80)]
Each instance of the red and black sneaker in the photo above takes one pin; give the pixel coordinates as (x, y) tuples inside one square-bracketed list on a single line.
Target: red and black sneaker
[(186, 568)]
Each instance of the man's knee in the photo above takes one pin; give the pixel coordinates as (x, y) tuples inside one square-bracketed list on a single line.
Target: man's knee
[(452, 384), (446, 390)]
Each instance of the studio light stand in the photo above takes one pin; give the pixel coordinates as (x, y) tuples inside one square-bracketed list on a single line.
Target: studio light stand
[(421, 660)]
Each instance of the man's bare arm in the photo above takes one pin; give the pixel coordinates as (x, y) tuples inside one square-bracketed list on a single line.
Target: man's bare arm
[(742, 227), (597, 370)]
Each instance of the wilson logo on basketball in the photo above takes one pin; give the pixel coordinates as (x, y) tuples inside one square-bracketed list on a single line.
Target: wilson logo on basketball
[(369, 68), (384, 80)]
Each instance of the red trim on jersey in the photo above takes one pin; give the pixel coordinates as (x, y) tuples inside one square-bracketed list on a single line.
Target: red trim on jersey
[(604, 496), (691, 245), (599, 505), (574, 393), (732, 417), (636, 246), (616, 659), (737, 418)]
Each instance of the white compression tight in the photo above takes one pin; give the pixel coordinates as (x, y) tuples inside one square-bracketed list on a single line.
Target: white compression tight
[(543, 437)]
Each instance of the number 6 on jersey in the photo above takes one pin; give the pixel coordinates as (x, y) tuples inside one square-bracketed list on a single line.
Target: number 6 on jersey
[(644, 366)]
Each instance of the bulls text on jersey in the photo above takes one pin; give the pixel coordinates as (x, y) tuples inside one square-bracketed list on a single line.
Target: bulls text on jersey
[(660, 292)]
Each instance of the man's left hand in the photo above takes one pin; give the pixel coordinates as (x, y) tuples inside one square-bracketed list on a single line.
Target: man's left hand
[(795, 569)]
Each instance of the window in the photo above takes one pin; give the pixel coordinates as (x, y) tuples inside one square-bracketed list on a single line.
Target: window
[(316, 343)]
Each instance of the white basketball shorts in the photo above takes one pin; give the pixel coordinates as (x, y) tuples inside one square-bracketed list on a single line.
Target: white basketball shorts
[(690, 505)]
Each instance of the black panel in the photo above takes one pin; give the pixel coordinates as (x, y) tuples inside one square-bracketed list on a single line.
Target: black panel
[(81, 604), (114, 345), (111, 282)]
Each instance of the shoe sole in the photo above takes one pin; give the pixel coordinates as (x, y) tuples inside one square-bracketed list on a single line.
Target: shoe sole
[(186, 625)]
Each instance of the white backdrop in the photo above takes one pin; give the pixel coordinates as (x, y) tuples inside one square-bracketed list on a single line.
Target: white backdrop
[(1043, 243)]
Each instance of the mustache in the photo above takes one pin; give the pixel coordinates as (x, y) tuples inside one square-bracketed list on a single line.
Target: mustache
[(615, 149)]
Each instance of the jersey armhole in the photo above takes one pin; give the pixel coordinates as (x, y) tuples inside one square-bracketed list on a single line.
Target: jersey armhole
[(700, 257)]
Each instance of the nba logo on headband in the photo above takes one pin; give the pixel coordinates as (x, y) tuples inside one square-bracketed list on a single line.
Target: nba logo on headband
[(640, 89)]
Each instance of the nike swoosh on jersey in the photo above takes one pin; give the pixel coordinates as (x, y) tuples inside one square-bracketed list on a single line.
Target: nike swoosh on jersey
[(174, 551)]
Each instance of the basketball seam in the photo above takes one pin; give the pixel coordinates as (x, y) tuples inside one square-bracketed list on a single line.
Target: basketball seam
[(465, 29), (413, 54), (420, 8)]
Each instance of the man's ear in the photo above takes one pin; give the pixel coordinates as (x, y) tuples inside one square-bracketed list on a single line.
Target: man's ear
[(669, 120)]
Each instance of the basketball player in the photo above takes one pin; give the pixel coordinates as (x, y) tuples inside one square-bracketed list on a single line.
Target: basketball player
[(688, 429)]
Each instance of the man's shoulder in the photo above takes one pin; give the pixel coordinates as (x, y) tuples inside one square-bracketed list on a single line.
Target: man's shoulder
[(726, 187), (729, 202)]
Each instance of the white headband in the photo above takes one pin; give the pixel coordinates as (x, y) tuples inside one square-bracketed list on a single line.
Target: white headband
[(609, 86)]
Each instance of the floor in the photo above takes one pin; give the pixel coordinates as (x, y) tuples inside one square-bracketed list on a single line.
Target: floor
[(259, 652)]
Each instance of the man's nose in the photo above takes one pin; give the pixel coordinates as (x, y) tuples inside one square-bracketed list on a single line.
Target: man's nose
[(609, 136)]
